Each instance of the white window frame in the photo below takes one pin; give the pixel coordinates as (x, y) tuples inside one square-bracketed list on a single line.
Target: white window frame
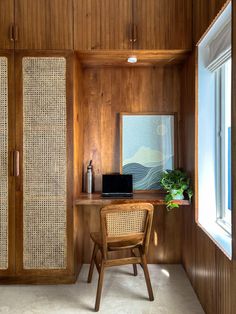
[(223, 214)]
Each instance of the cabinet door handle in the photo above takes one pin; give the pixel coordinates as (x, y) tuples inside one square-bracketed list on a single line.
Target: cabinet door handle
[(135, 33), (16, 32), (11, 32), (131, 33), (16, 163)]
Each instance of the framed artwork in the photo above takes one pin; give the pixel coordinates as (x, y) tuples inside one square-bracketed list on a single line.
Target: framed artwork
[(148, 147)]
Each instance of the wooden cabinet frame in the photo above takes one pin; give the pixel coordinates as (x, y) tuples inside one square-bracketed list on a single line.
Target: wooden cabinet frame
[(16, 273)]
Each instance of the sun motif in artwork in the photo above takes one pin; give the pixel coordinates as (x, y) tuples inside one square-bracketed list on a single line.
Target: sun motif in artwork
[(161, 129)]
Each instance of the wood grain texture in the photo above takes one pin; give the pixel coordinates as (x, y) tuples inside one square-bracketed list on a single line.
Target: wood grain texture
[(105, 24), (119, 57), (78, 162), (102, 24), (97, 199), (203, 14), (109, 91), (44, 24), (6, 20), (163, 24)]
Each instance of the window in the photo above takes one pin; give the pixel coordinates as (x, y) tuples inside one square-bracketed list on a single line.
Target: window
[(214, 132), (223, 144)]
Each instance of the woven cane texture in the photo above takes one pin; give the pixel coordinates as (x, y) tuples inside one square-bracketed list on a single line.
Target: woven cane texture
[(44, 160), (125, 222), (3, 164)]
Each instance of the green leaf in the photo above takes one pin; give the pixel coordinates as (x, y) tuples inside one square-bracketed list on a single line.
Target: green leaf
[(175, 180)]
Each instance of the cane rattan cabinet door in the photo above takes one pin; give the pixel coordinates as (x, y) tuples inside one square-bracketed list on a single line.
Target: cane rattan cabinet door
[(7, 145), (3, 163), (42, 143)]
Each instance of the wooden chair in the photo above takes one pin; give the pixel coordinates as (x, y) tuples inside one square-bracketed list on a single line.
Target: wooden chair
[(123, 226)]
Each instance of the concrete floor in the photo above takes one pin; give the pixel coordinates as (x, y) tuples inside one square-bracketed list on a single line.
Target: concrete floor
[(122, 293)]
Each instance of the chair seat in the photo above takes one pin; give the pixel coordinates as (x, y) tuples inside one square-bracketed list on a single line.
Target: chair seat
[(117, 245)]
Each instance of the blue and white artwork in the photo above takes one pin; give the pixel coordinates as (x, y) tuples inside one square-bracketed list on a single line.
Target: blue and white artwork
[(147, 148)]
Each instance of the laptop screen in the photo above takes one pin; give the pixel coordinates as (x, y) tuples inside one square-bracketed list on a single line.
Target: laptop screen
[(117, 183)]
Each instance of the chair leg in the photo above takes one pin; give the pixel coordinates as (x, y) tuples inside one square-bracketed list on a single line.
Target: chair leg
[(99, 288), (134, 265), (90, 274), (135, 270), (147, 277)]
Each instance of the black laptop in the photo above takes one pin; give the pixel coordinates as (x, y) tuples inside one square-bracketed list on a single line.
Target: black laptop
[(117, 185)]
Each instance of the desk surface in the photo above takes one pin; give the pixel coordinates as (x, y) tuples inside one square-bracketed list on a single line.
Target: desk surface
[(97, 199)]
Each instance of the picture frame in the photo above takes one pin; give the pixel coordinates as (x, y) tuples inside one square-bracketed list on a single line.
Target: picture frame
[(148, 146)]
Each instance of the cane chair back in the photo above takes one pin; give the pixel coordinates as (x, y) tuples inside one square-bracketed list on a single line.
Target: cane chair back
[(130, 223)]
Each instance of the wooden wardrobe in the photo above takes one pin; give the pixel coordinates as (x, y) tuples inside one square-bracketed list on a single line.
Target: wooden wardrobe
[(37, 162)]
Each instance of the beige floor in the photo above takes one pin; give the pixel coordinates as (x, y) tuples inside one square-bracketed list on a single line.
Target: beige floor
[(122, 293)]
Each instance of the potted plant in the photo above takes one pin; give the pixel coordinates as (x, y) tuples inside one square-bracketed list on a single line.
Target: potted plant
[(176, 183)]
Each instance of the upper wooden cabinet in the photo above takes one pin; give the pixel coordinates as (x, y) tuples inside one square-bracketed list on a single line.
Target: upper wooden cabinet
[(98, 24), (6, 24), (36, 24), (162, 24), (132, 24), (44, 24), (102, 24)]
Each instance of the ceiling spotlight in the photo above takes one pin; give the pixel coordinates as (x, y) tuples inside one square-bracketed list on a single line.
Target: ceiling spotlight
[(132, 59)]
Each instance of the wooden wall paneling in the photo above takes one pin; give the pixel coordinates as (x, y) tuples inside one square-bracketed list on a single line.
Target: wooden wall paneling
[(92, 123), (205, 268), (6, 21), (203, 14), (163, 24), (109, 91), (223, 283), (233, 288), (187, 131), (166, 236), (102, 24), (44, 24)]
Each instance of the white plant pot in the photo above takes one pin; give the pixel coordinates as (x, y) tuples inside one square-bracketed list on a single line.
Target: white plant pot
[(176, 195)]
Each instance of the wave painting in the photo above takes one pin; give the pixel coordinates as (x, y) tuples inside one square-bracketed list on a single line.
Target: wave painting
[(144, 178), (147, 149)]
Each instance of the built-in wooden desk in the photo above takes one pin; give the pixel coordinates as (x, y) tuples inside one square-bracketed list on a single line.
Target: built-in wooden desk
[(97, 199), (166, 236)]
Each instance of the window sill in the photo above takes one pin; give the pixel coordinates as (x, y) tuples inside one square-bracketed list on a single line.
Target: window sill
[(219, 236)]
